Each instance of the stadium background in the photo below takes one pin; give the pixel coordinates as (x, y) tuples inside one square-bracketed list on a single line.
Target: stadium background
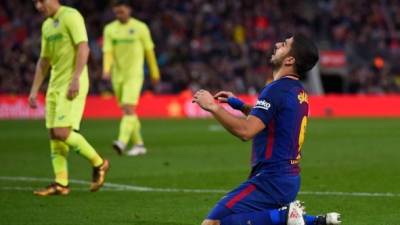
[(223, 45), (350, 164)]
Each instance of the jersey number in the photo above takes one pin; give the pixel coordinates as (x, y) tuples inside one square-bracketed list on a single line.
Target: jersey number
[(301, 135)]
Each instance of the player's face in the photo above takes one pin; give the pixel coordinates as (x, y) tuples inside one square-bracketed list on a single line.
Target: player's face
[(122, 12), (281, 51), (45, 6)]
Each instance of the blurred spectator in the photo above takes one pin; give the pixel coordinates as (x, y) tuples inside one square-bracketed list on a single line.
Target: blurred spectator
[(222, 44)]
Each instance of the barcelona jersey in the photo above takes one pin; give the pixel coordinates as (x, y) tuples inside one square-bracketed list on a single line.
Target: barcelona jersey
[(283, 107)]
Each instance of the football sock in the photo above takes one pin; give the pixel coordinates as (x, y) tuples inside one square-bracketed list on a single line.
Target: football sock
[(267, 217), (79, 144), (282, 216), (310, 220), (59, 153), (126, 127), (136, 133)]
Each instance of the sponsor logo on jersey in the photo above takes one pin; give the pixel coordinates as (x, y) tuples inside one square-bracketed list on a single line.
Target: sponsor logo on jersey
[(54, 37), (262, 104), (122, 41)]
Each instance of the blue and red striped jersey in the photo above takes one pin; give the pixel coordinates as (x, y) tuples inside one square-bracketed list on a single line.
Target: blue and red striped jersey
[(283, 107)]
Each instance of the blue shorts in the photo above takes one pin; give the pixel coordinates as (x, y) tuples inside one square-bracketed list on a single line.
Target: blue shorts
[(260, 192)]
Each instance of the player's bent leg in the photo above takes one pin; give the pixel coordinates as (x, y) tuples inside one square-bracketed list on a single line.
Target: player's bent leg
[(293, 214), (126, 127), (100, 166), (59, 153), (79, 144), (60, 133), (238, 207), (135, 134)]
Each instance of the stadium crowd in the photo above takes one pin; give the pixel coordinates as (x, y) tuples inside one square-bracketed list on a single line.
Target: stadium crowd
[(222, 44)]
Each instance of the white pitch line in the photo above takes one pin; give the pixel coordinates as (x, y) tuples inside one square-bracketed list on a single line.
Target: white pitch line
[(116, 187), (15, 188), (127, 187), (355, 194), (215, 128)]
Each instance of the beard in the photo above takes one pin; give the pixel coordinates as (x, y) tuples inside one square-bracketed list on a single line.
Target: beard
[(275, 63)]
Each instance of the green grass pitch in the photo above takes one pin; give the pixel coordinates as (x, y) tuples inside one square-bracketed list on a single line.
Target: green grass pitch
[(345, 156)]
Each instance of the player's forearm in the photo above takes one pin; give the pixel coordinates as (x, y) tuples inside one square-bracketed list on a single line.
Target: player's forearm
[(152, 63), (82, 56), (235, 102), (107, 62), (41, 71), (235, 125)]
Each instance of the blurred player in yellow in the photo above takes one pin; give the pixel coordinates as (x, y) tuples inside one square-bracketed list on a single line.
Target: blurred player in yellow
[(64, 50), (127, 41)]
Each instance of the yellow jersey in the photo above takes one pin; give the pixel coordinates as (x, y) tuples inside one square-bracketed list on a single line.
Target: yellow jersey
[(60, 35), (127, 42)]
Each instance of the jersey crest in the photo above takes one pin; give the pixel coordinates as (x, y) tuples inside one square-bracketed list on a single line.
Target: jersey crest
[(302, 97)]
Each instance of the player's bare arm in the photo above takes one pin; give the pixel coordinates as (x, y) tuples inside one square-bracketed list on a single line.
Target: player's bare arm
[(82, 56), (243, 128), (223, 96), (41, 72)]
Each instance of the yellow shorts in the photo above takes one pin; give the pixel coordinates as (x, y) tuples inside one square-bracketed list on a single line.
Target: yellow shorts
[(128, 91), (61, 112)]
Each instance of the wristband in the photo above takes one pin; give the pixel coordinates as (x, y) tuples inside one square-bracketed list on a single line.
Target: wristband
[(235, 103)]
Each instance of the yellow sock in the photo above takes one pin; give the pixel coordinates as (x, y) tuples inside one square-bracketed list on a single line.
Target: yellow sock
[(79, 144), (136, 133), (126, 128), (59, 153)]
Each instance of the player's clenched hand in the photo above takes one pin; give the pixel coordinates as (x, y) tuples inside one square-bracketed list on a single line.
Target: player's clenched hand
[(155, 81), (223, 96), (73, 89), (106, 76), (205, 100), (32, 100)]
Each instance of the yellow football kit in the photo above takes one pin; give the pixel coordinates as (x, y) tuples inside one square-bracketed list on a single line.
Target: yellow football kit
[(127, 43), (60, 35)]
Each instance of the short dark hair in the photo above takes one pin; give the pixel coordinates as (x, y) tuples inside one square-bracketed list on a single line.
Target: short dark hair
[(121, 3), (305, 53)]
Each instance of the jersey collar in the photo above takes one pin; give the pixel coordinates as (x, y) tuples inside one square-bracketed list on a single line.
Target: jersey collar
[(60, 9), (291, 76), (127, 22)]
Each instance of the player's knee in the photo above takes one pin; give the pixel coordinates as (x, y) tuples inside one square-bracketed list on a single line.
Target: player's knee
[(128, 109), (60, 133), (210, 222)]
